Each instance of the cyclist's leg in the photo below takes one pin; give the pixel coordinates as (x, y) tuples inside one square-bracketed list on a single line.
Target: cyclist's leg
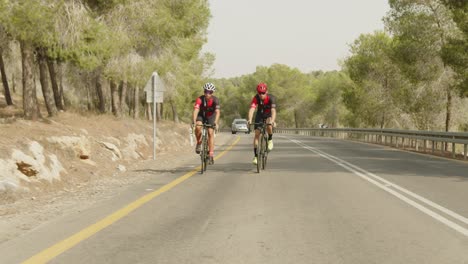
[(258, 120), (211, 139), (256, 138), (269, 130), (198, 128), (198, 133)]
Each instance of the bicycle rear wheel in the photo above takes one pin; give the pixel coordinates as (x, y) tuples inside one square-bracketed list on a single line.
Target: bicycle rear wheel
[(259, 154), (202, 158), (265, 151), (203, 153), (205, 147)]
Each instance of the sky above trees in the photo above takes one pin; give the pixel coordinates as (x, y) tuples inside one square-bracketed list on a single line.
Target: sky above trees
[(309, 35)]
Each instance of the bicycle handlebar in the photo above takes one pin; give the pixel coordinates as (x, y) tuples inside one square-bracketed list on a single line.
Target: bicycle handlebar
[(268, 124), (205, 125)]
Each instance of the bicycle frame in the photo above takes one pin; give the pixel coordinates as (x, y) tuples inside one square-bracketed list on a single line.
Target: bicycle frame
[(262, 147), (205, 148)]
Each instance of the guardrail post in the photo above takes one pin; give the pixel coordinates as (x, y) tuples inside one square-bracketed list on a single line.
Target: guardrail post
[(417, 145), (425, 143), (453, 149), (465, 151)]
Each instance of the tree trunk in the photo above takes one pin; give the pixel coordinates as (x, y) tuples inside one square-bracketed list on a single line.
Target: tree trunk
[(48, 97), (174, 112), (448, 116), (149, 111), (100, 94), (13, 80), (65, 102), (123, 95), (136, 102), (295, 119), (8, 99), (55, 88), (115, 98), (130, 100), (158, 111), (382, 121), (89, 99), (30, 105)]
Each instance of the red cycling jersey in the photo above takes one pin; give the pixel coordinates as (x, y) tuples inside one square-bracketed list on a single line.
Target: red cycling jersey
[(207, 106), (265, 107)]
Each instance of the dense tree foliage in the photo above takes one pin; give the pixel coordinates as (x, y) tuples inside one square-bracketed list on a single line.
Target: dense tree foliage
[(105, 50), (454, 52), (98, 55)]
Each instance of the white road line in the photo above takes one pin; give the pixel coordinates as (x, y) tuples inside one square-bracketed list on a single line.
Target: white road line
[(390, 184), (386, 185)]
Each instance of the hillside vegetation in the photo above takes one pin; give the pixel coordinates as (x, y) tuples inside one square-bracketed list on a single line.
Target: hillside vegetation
[(96, 57)]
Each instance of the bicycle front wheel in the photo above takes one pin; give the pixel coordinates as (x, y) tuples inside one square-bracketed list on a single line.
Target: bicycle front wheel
[(205, 147), (203, 154), (202, 158), (259, 155), (265, 151)]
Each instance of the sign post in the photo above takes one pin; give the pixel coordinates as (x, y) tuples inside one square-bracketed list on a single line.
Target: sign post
[(154, 94)]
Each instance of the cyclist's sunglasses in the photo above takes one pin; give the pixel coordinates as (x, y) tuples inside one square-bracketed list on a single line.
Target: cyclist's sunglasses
[(261, 93), (208, 92)]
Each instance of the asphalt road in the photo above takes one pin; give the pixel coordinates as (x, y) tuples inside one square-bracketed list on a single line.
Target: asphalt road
[(319, 201)]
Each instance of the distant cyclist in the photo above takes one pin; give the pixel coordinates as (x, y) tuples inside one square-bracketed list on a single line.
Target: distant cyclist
[(206, 110), (266, 110)]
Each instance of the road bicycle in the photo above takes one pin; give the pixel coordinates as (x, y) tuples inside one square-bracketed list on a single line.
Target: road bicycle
[(262, 147), (204, 153)]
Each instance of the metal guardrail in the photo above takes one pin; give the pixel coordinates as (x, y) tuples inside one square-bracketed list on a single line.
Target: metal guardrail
[(445, 142)]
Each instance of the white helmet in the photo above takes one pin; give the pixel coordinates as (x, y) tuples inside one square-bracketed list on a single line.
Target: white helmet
[(209, 87)]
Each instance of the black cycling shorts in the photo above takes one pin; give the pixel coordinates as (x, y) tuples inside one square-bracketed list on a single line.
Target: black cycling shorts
[(210, 120), (259, 119)]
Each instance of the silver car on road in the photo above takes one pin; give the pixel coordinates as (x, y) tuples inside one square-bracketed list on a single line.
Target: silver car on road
[(239, 125)]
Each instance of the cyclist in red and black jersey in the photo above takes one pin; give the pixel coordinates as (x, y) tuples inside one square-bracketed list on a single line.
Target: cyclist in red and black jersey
[(266, 110), (206, 110)]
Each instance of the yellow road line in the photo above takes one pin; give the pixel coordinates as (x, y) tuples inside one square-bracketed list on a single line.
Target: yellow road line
[(64, 245)]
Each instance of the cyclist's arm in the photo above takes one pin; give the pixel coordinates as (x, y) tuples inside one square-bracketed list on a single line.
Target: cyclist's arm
[(195, 114), (273, 109), (273, 116), (253, 105), (196, 110), (217, 113), (251, 112)]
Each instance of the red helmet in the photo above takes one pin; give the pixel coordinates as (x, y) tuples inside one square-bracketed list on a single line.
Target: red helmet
[(262, 87)]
